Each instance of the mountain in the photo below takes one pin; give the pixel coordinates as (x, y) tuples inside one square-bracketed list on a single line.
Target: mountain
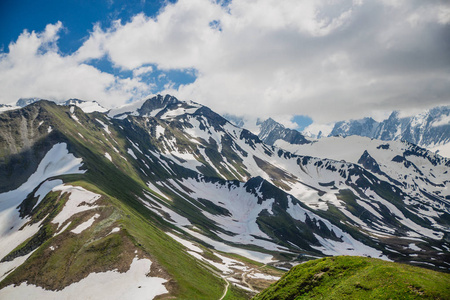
[(22, 102), (364, 127), (430, 129), (5, 107), (271, 131), (86, 106), (358, 278), (172, 190)]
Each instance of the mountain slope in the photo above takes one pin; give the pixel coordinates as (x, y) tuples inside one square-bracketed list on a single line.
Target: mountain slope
[(358, 278), (175, 184), (227, 152), (50, 247)]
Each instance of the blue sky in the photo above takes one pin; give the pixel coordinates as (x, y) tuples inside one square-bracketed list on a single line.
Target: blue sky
[(77, 16), (78, 19), (295, 61)]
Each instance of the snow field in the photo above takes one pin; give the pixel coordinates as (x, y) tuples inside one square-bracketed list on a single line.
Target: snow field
[(57, 161), (80, 228), (79, 200), (105, 127), (133, 284)]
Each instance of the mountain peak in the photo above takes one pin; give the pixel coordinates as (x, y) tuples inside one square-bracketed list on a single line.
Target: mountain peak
[(429, 128), (157, 102), (86, 106), (394, 115), (362, 127), (22, 102), (272, 131)]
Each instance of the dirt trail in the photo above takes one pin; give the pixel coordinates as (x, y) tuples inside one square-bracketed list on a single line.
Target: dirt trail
[(226, 289)]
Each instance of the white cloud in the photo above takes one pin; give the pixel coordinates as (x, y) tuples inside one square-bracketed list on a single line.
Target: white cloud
[(315, 129), (142, 70), (329, 59), (35, 68), (286, 121), (93, 47), (178, 38)]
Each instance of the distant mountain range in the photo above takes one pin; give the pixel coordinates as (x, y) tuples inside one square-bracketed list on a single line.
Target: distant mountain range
[(167, 197), (430, 129)]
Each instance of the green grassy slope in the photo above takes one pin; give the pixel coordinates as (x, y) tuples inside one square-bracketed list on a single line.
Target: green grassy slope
[(347, 277), (120, 184)]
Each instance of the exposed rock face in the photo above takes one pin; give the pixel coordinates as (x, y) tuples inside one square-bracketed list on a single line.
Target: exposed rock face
[(271, 131)]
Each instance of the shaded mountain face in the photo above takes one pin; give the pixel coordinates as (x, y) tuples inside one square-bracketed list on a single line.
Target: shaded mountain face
[(271, 131), (365, 127), (164, 185), (428, 129), (22, 102)]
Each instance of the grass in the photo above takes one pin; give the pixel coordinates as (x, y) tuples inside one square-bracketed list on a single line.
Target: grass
[(192, 280), (347, 277), (234, 293), (92, 251)]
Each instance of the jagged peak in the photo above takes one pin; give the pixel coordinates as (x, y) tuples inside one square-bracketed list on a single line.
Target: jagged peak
[(271, 131), (22, 102)]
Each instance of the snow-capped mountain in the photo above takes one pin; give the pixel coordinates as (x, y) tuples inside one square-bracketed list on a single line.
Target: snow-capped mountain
[(22, 102), (85, 197), (271, 131), (86, 106), (430, 129), (364, 127), (5, 107)]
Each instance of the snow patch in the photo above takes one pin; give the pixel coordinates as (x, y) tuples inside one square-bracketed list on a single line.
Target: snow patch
[(243, 211), (134, 284), (115, 229), (105, 127), (414, 247), (108, 156), (263, 276), (348, 246), (444, 120), (185, 243), (131, 153), (89, 106), (8, 266), (79, 200), (45, 188), (253, 255), (57, 161), (160, 131), (80, 228)]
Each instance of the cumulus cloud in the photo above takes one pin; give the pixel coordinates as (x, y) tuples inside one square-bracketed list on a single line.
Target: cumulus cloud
[(35, 68), (330, 60)]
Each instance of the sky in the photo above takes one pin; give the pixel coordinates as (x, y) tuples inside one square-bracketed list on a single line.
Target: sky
[(297, 61)]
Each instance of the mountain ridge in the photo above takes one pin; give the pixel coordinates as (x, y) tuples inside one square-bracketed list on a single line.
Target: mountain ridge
[(179, 168), (430, 129)]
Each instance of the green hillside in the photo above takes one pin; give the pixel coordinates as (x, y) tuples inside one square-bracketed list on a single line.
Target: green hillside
[(347, 277)]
